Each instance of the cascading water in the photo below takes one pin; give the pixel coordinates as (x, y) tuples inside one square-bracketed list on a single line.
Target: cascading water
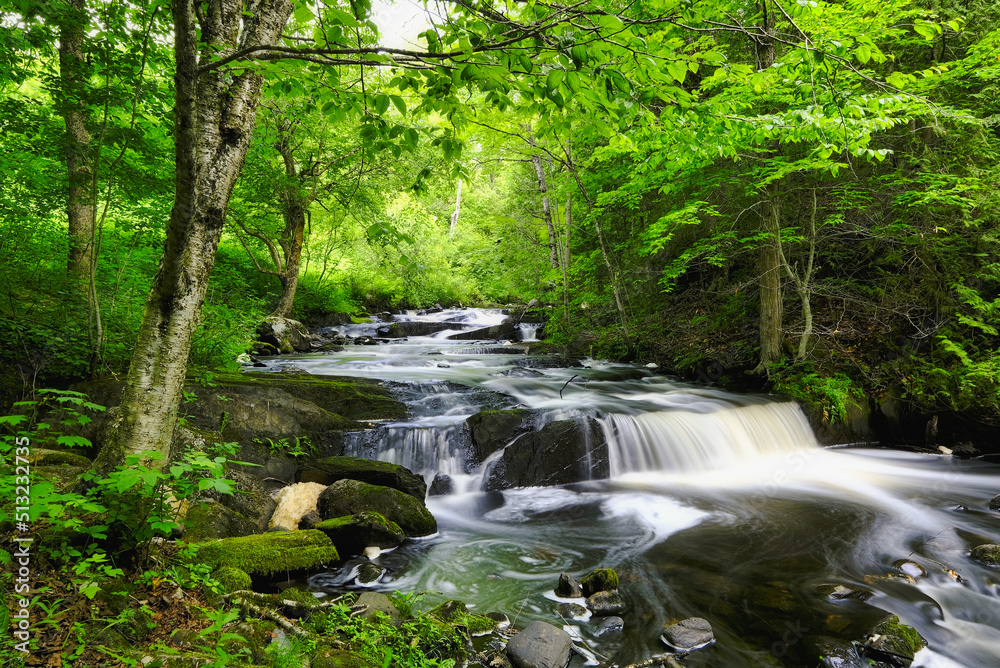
[(717, 505)]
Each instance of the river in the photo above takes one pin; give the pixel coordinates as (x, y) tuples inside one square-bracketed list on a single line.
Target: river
[(718, 505)]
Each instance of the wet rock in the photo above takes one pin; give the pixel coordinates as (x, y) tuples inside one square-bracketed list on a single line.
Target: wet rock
[(490, 431), (503, 331), (562, 452), (210, 520), (353, 533), (839, 592), (540, 645), (607, 603), (988, 554), (502, 620), (601, 579), (609, 625), (441, 485), (369, 573), (281, 336), (894, 643), (995, 502), (348, 497), (688, 634), (911, 568), (573, 611), (836, 653), (568, 587), (310, 520), (329, 470), (398, 330)]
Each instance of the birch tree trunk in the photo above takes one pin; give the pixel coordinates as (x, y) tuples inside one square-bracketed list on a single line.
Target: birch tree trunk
[(291, 240), (543, 189), (214, 116), (457, 211)]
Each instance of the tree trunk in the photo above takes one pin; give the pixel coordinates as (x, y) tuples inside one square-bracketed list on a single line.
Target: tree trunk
[(543, 190), (214, 116), (769, 260), (458, 210), (564, 260), (295, 228), (770, 282), (73, 107)]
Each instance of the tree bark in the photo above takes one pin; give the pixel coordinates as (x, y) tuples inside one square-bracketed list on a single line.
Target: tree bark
[(543, 189), (769, 260), (72, 104), (294, 213), (457, 211), (214, 116)]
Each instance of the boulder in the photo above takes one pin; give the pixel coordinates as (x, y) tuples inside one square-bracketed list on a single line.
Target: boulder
[(688, 634), (369, 574), (349, 497), (540, 645), (403, 328), (503, 331), (573, 611), (45, 457), (608, 625), (988, 554), (562, 452), (372, 602), (270, 553), (281, 336), (568, 587), (894, 642), (490, 431), (329, 470), (607, 603), (441, 485), (353, 533), (208, 519), (601, 579), (293, 503), (250, 498), (995, 502)]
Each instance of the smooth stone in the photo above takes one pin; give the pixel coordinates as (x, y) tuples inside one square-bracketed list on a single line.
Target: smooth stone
[(609, 625), (540, 645), (987, 554), (374, 602), (687, 634), (573, 611), (607, 603), (369, 573), (568, 587)]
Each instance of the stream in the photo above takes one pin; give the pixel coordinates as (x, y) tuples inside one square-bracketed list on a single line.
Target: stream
[(718, 505)]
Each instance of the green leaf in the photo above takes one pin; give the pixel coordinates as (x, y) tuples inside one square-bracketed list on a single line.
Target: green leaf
[(553, 80), (399, 103), (303, 14), (74, 441), (678, 70)]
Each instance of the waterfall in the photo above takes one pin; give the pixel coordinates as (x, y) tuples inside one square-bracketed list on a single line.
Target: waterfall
[(677, 440), (529, 331), (424, 449)]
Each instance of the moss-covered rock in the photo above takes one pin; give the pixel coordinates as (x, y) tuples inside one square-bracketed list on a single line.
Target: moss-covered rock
[(208, 520), (250, 498), (353, 533), (45, 457), (233, 579), (457, 613), (281, 336), (270, 553), (988, 554), (328, 657), (329, 470), (893, 640), (349, 497), (601, 579), (490, 431)]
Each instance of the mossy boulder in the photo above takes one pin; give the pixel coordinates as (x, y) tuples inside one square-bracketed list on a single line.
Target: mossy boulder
[(490, 431), (988, 554), (233, 579), (281, 336), (329, 470), (270, 553), (601, 579), (350, 497), (208, 519), (893, 640), (457, 613), (561, 453), (45, 457), (328, 657), (250, 498), (353, 533)]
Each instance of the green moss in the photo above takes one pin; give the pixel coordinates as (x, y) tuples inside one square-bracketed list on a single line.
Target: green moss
[(327, 657), (602, 579), (270, 553), (207, 521), (233, 579), (298, 595), (456, 613), (353, 398), (899, 638), (349, 497), (988, 554)]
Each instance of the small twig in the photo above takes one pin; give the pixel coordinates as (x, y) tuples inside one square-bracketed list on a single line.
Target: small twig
[(566, 383)]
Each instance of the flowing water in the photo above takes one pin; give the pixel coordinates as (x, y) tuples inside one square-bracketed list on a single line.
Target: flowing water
[(718, 505)]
